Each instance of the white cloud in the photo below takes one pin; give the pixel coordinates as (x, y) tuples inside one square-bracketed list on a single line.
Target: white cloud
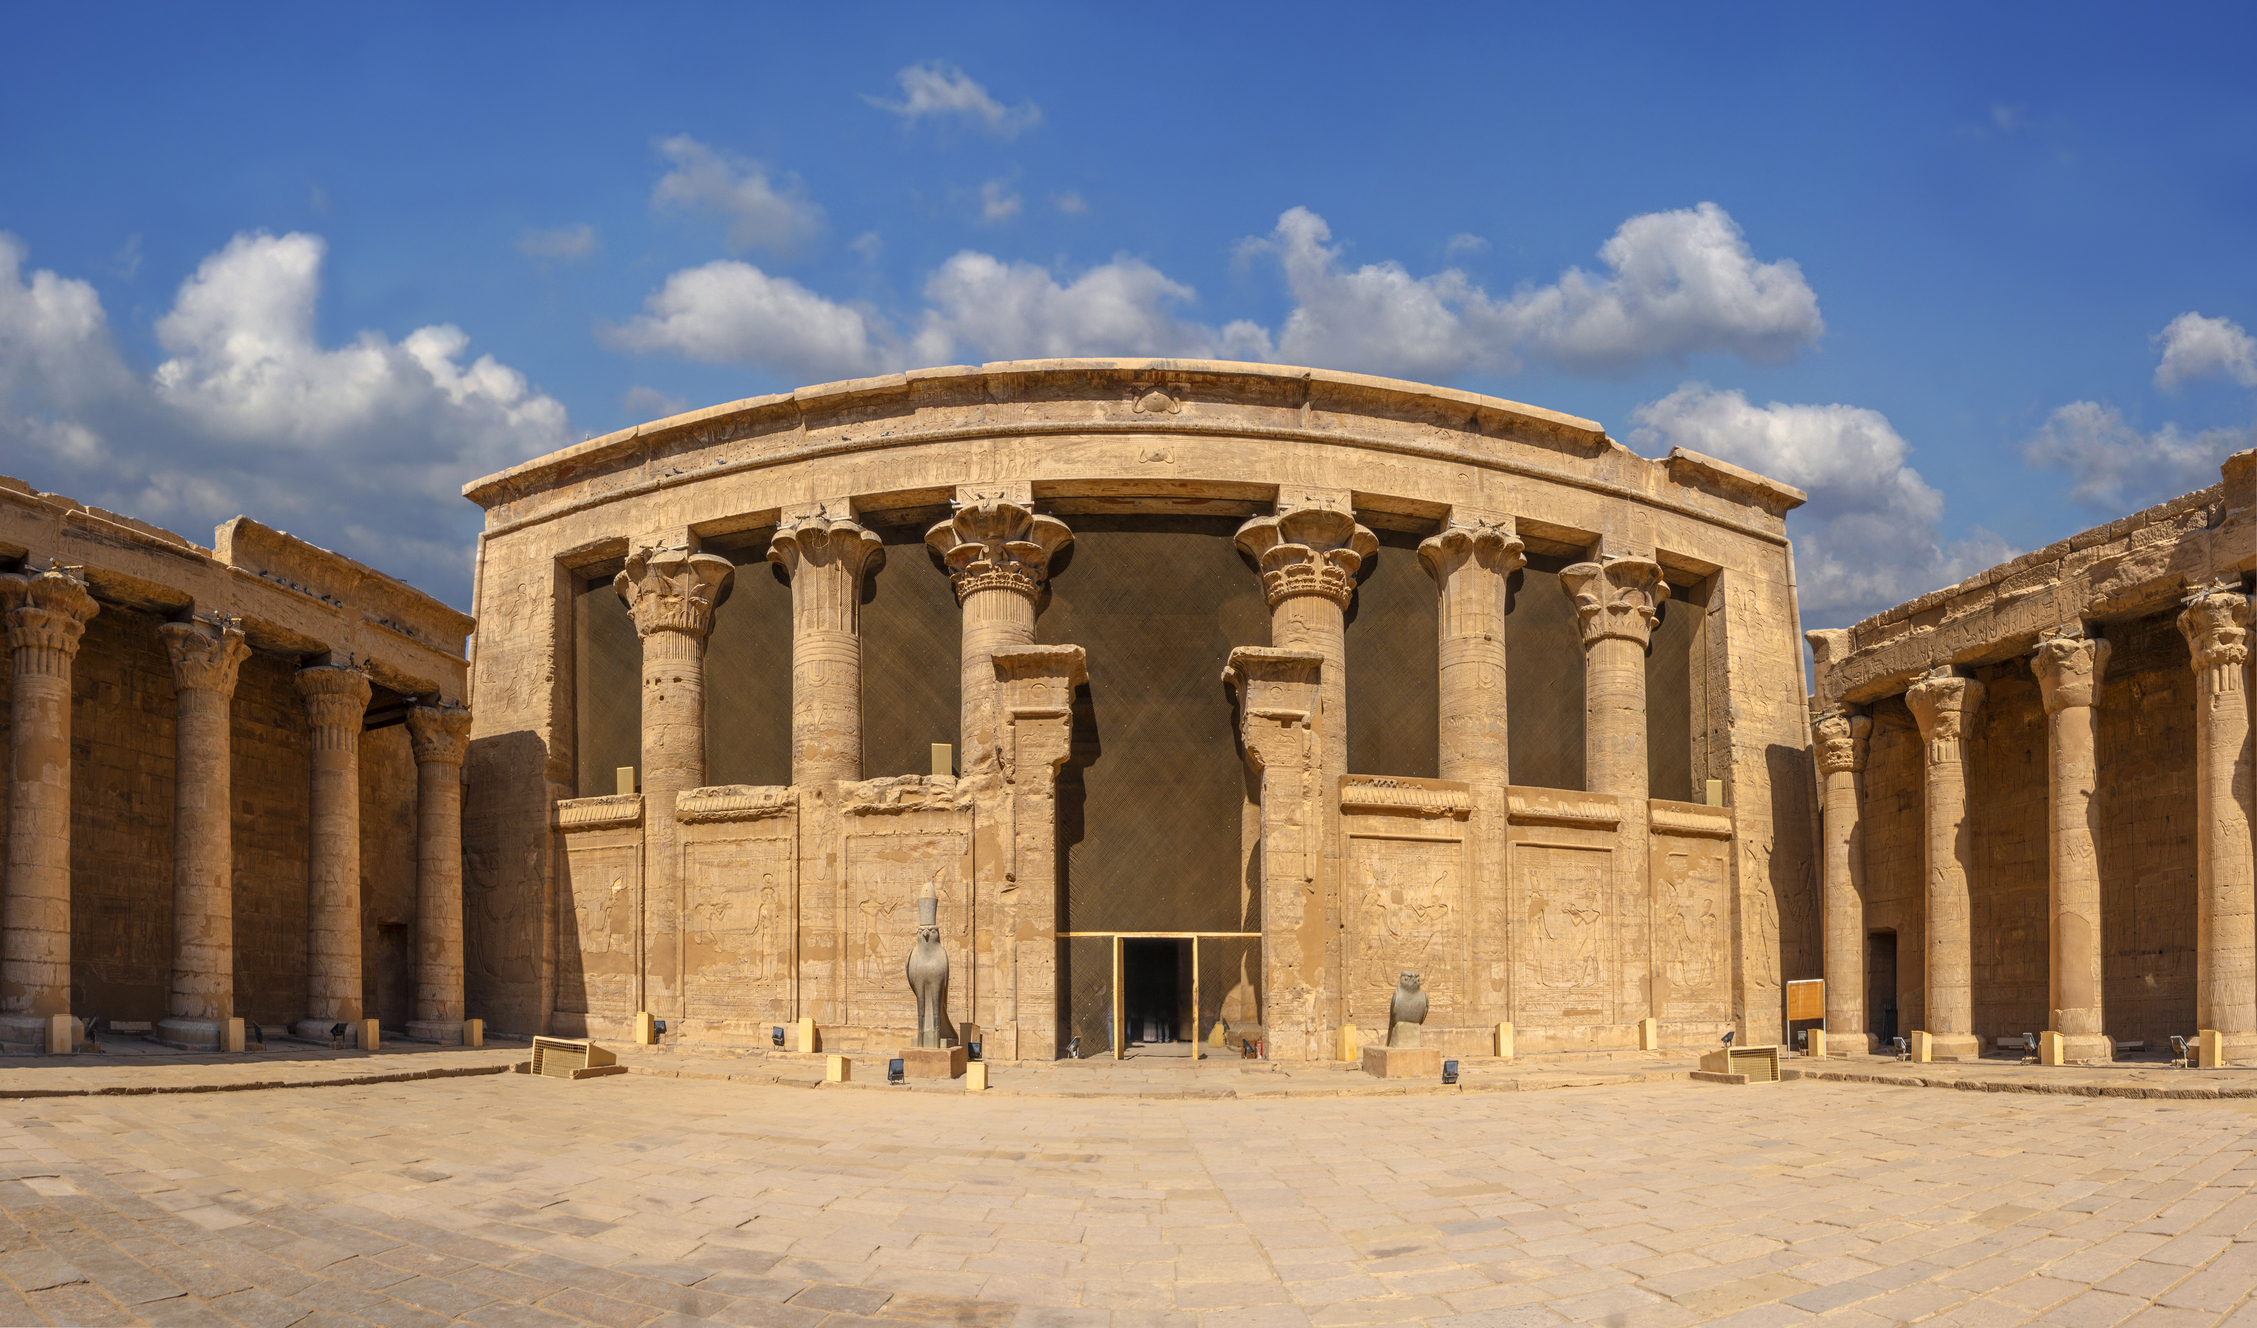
[(563, 244), (362, 448), (1680, 283), (1683, 282), (998, 202), (2117, 467), (944, 92), (869, 244), (2197, 347), (1071, 203), (759, 212), (1464, 242), (1870, 536), (730, 312)]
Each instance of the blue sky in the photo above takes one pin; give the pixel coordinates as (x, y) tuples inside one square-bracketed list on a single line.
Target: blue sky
[(1975, 278)]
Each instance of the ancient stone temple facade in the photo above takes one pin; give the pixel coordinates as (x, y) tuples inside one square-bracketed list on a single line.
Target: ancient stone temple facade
[(1207, 699), (2037, 795), (233, 784)]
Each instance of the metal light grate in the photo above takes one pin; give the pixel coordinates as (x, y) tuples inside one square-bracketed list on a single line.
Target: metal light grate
[(1759, 1064), (557, 1058)]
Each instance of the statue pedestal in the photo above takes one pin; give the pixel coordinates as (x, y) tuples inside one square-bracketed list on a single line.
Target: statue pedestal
[(1403, 1062), (946, 1062)]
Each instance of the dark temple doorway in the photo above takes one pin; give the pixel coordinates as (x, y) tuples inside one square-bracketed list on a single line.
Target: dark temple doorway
[(1881, 984), (1157, 1016)]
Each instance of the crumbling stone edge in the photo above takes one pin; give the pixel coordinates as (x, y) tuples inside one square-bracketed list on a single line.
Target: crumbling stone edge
[(334, 1081), (2192, 1093)]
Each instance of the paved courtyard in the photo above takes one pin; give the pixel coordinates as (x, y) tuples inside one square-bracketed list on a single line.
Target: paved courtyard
[(632, 1200)]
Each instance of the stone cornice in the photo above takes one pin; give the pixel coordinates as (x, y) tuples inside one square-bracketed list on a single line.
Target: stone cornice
[(734, 802), (1405, 797), (1688, 819), (607, 812), (1544, 806), (897, 794)]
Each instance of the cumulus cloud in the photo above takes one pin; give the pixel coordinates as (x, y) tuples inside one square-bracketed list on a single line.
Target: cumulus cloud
[(563, 244), (2116, 467), (944, 92), (760, 213), (2196, 347), (1870, 536), (361, 448), (1679, 283)]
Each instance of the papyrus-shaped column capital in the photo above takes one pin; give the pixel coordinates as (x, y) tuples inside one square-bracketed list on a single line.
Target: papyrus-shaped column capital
[(1308, 551), (1615, 598), (1480, 546), (1944, 704), (2215, 622), (996, 544), (823, 543), (46, 615), (206, 656), (1842, 736), (336, 698), (2069, 669), (672, 589), (439, 734)]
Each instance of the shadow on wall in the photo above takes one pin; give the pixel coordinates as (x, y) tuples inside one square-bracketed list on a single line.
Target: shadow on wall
[(506, 885), (1786, 879)]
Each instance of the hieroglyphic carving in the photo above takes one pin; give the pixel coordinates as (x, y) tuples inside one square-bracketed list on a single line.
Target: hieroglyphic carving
[(596, 963), (1409, 915), (884, 872), (739, 954), (1692, 938), (1564, 940)]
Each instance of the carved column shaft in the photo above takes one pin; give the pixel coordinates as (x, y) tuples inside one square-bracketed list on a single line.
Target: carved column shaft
[(2069, 671), (1037, 705), (998, 554), (1945, 707), (206, 659), (336, 703), (46, 613), (2216, 625), (826, 560), (671, 592), (439, 736), (1842, 744), (1470, 565)]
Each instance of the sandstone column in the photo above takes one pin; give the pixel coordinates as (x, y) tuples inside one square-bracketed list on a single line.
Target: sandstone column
[(336, 703), (2216, 625), (671, 592), (1944, 704), (1615, 599), (439, 735), (2069, 668), (998, 553), (1308, 558), (205, 660), (46, 615), (826, 559), (1841, 767), (1469, 564)]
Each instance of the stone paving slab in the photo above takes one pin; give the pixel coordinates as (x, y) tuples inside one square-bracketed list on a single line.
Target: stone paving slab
[(144, 1068), (639, 1200)]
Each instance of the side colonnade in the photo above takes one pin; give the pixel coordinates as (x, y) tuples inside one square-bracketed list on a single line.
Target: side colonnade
[(2070, 664)]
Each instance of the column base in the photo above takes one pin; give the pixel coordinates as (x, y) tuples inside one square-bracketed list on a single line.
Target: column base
[(2088, 1049), (189, 1034), (446, 1032), (2240, 1048), (1954, 1047), (32, 1031)]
